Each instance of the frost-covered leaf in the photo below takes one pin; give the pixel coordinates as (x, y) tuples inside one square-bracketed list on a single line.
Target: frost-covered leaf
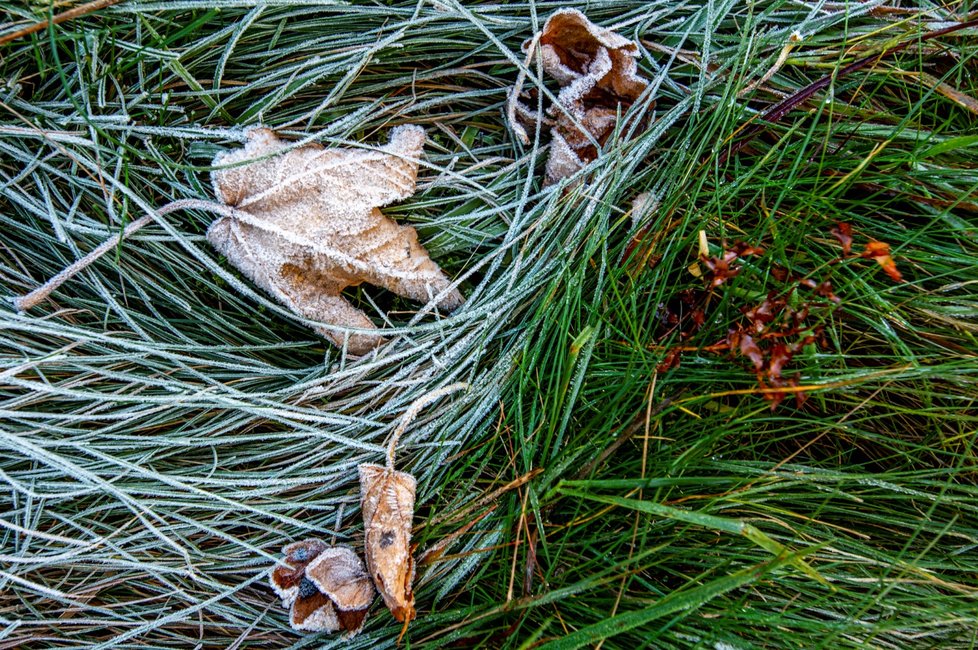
[(387, 503), (326, 587), (307, 225), (596, 69)]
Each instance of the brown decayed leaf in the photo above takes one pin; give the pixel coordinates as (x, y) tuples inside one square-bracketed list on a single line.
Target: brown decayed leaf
[(672, 359), (387, 504), (326, 588), (597, 71), (339, 574), (744, 343), (825, 290), (880, 251), (722, 268), (312, 611), (387, 501), (285, 579), (774, 331), (306, 225)]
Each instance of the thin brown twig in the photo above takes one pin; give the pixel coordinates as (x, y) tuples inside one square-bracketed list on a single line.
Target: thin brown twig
[(76, 12), (487, 498), (637, 424), (412, 412)]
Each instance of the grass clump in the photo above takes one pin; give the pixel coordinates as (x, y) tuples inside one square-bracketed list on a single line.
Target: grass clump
[(167, 428)]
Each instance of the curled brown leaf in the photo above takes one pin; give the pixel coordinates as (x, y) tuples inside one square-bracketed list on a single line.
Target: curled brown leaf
[(387, 503), (326, 588), (598, 74)]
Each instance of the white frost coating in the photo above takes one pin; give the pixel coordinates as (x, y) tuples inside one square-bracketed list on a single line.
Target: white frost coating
[(597, 70), (322, 620), (642, 206), (307, 225), (339, 573)]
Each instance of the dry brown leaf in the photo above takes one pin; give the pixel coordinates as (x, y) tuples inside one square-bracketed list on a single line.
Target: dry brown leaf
[(339, 573), (306, 225), (387, 502), (597, 71), (327, 588)]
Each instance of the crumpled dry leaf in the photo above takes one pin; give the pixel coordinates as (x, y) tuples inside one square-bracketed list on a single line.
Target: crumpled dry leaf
[(327, 588), (387, 502), (339, 574), (597, 71), (306, 225)]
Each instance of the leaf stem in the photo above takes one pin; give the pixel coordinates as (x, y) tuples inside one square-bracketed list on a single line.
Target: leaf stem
[(412, 412)]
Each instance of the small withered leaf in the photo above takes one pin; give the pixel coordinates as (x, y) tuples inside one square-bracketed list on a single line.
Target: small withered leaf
[(598, 74), (313, 613), (285, 580), (387, 503), (327, 588), (600, 61), (339, 573), (305, 225), (387, 500), (842, 231), (880, 251), (745, 343)]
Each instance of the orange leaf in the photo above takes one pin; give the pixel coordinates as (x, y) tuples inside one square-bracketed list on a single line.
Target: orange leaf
[(880, 251)]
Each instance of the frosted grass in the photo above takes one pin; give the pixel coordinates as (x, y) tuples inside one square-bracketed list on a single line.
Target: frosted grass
[(167, 428)]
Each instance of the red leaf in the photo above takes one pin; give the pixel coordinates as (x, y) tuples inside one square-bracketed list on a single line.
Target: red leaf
[(780, 356), (773, 396), (825, 290), (743, 249), (744, 342), (671, 360), (843, 232), (780, 273), (722, 268), (765, 312)]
